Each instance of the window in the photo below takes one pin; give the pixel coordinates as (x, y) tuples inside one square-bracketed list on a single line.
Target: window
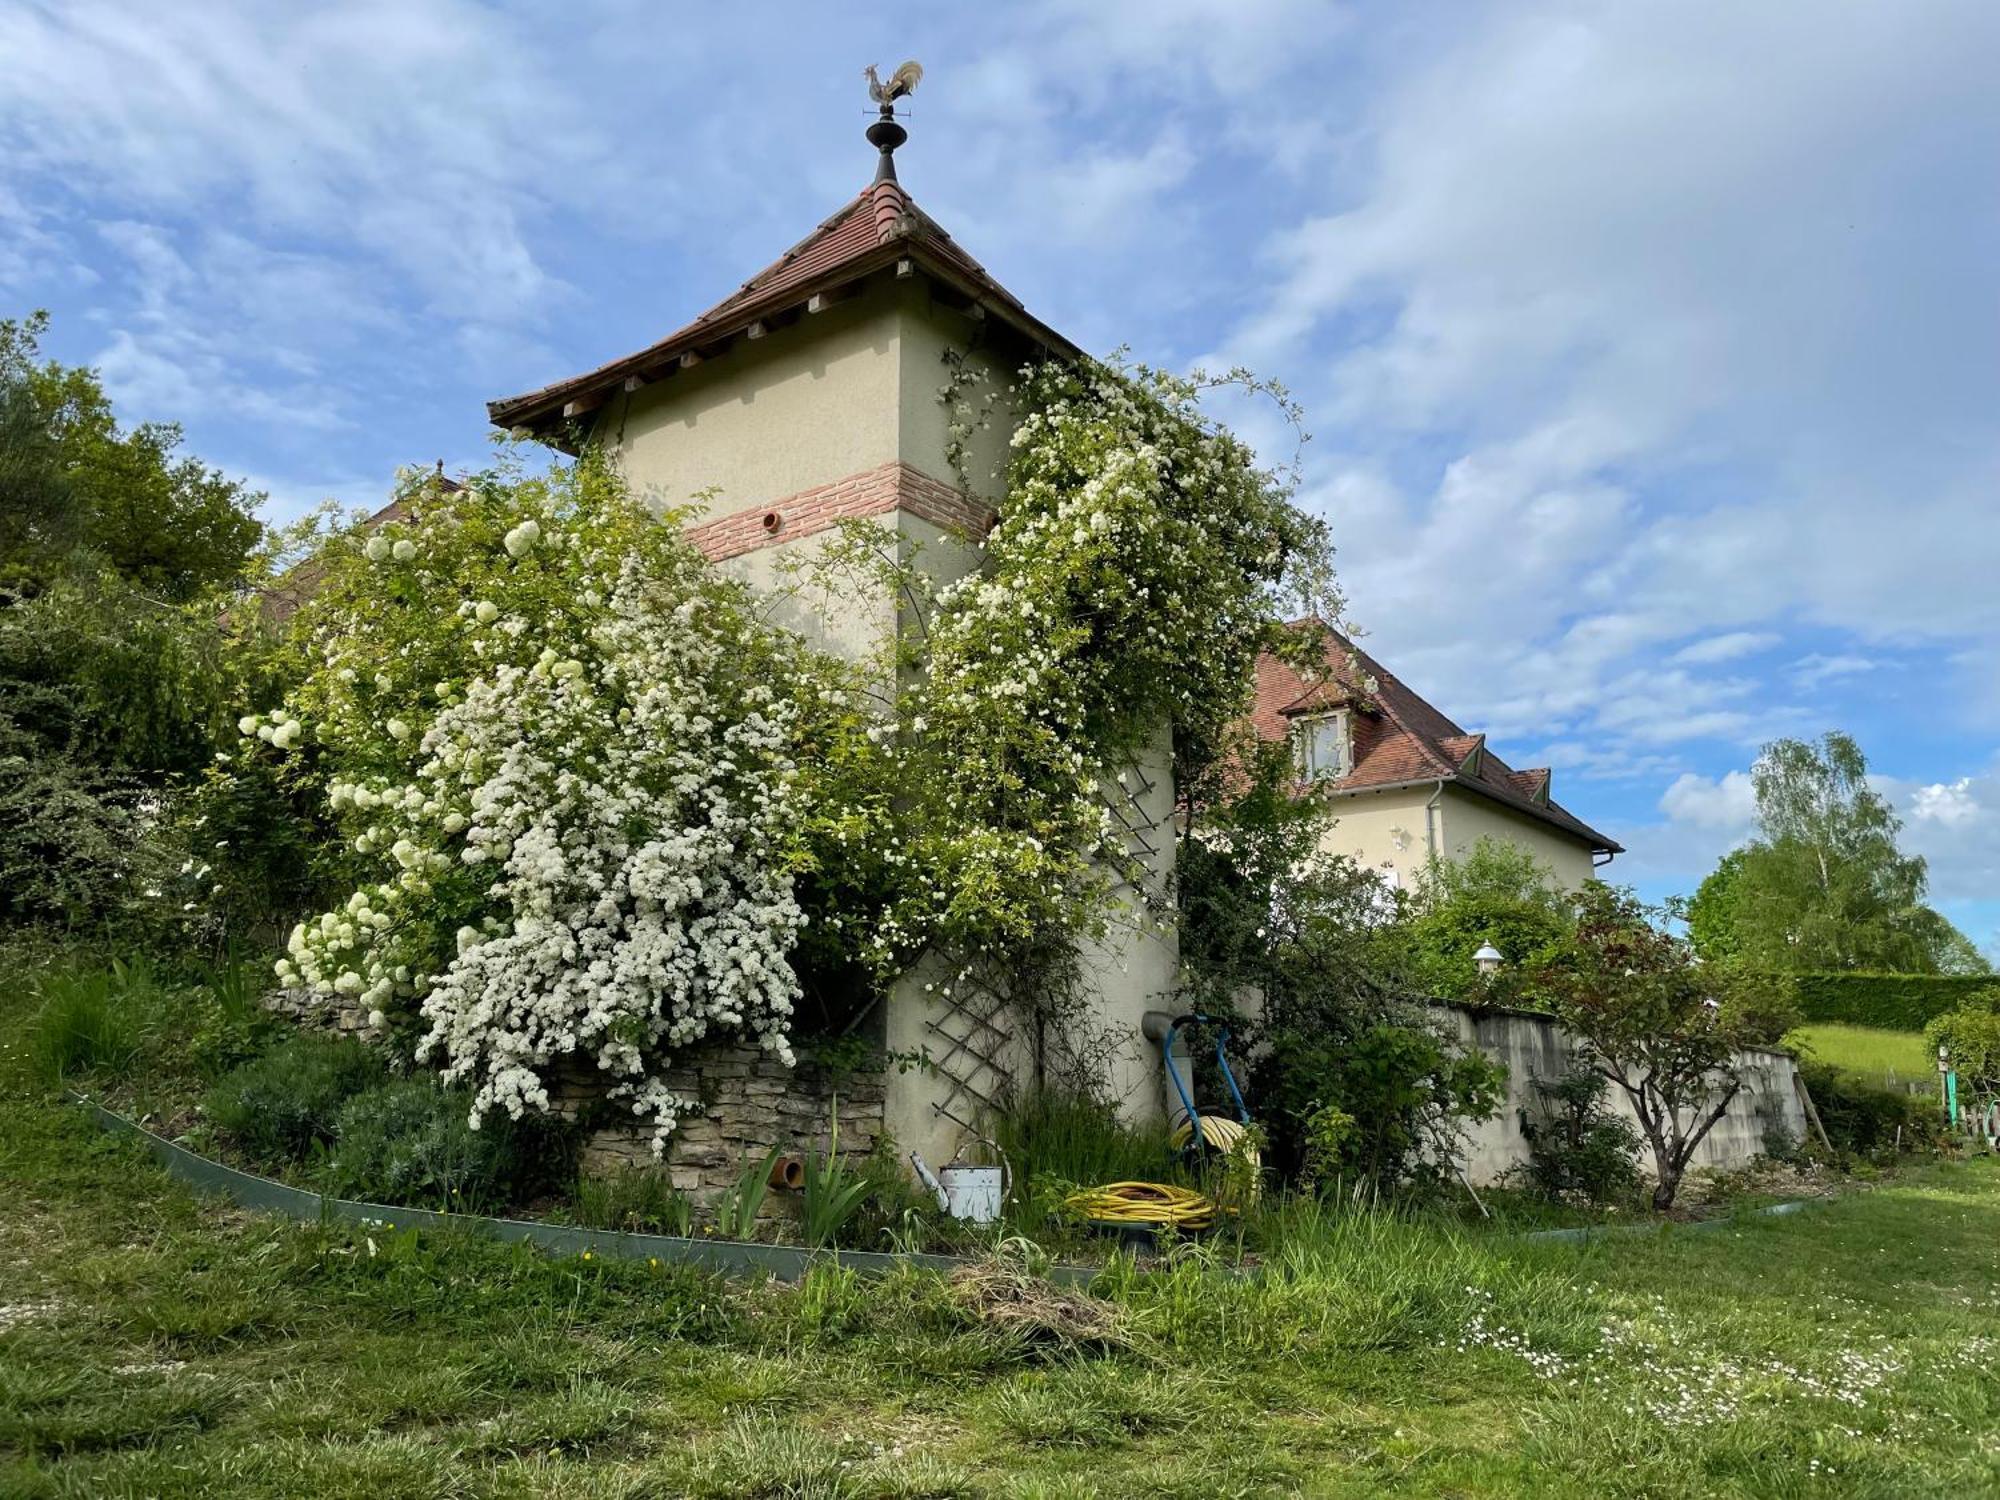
[(1323, 747)]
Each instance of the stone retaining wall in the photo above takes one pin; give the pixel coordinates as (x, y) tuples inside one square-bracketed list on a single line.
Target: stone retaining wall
[(749, 1102)]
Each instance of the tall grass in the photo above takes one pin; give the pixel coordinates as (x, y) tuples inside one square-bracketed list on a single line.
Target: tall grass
[(1060, 1137), (94, 1022)]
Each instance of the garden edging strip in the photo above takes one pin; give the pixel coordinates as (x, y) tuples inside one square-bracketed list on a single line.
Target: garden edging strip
[(1578, 1234), (787, 1262)]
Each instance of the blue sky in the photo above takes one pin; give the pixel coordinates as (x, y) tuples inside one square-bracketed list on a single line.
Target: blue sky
[(1652, 354)]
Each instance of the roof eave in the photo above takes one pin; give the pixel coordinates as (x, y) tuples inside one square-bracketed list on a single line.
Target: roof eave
[(1583, 833), (536, 410)]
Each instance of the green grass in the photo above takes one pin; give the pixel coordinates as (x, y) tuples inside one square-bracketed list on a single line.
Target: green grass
[(152, 1343), (1891, 1058)]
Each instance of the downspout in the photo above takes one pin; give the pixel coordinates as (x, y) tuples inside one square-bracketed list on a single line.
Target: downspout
[(1430, 820)]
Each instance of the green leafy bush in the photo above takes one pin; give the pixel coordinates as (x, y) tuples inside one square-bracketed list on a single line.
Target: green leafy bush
[(282, 1106), (1578, 1148), (1895, 1002), (412, 1142), (93, 1022), (633, 1200), (1972, 1033), (1066, 1137), (1863, 1121)]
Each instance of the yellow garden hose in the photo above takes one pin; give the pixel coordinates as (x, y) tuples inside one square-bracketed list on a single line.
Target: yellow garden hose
[(1155, 1203), (1162, 1203)]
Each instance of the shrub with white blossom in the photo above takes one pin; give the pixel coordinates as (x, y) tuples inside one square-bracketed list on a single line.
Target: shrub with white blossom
[(561, 748)]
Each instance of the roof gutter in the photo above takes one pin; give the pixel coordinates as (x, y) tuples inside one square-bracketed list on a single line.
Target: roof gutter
[(1599, 844)]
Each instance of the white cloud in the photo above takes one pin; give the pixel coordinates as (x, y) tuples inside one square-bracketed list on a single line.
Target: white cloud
[(1726, 804), (1811, 671), (1727, 647)]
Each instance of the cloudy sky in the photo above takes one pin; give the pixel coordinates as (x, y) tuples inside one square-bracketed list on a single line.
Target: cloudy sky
[(1652, 353)]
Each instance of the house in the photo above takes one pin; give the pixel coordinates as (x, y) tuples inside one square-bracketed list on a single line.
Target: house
[(1408, 785), (810, 396)]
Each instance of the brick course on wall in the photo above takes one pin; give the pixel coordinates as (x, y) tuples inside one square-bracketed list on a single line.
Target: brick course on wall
[(874, 492)]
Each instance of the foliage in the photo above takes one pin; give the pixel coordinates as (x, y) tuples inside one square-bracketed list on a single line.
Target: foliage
[(1894, 1002), (737, 1208), (1578, 1149), (1139, 563), (562, 749), (78, 483), (93, 1020), (1658, 1023), (117, 557), (832, 1193), (284, 1105), (1867, 1052), (632, 1200), (1059, 1136), (1344, 1023), (1824, 886), (1972, 1034), (1496, 893), (1864, 1121), (411, 1141)]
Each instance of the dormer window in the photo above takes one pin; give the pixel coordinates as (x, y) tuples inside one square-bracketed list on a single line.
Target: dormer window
[(1325, 750)]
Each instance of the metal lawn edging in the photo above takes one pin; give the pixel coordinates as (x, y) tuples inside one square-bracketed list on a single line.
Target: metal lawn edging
[(736, 1257), (1583, 1232)]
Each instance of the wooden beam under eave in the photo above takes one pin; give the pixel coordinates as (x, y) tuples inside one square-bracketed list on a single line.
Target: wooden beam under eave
[(689, 359), (584, 405), (756, 330), (821, 301), (636, 383)]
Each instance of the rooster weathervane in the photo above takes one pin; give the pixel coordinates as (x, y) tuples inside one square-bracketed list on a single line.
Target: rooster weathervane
[(885, 134)]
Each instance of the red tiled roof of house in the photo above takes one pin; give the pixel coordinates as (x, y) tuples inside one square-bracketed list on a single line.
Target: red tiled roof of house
[(1399, 738), (872, 231)]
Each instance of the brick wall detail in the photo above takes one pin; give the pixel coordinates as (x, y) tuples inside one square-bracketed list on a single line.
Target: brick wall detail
[(874, 492)]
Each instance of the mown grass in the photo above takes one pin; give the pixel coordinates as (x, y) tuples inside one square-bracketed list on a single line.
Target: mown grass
[(155, 1344), (1888, 1059)]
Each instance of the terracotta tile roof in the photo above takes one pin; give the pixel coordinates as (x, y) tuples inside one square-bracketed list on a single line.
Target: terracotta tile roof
[(873, 230), (1400, 738)]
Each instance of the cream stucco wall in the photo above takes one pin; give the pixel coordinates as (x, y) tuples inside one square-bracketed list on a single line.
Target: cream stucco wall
[(1391, 831), (1469, 817), (810, 403)]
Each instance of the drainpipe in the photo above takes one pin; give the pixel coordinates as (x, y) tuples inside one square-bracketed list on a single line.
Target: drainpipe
[(1430, 820)]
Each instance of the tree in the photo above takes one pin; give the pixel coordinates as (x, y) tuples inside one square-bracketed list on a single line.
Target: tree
[(1657, 1023), (117, 557), (1341, 1030), (1824, 885), (1497, 893)]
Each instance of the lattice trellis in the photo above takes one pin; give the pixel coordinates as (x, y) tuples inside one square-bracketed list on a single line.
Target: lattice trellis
[(974, 1025)]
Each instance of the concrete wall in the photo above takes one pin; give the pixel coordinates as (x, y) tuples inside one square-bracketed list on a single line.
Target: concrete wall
[(1534, 1047)]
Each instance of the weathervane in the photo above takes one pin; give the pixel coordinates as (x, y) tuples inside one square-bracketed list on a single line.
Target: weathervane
[(885, 134)]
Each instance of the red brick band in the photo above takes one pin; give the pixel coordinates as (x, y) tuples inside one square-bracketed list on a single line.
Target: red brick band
[(874, 492)]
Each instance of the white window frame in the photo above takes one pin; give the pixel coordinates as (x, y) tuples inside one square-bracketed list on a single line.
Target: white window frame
[(1312, 737)]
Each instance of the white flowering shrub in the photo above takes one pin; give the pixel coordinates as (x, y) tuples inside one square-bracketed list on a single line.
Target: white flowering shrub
[(1141, 561), (561, 748)]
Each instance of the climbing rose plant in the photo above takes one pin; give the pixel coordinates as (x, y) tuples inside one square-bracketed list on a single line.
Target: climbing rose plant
[(561, 748)]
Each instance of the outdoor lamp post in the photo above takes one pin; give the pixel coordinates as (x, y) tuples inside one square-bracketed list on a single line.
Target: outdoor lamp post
[(1950, 1081), (1489, 960)]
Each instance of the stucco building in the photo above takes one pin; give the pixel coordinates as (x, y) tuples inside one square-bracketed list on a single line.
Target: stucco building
[(1408, 785), (810, 396)]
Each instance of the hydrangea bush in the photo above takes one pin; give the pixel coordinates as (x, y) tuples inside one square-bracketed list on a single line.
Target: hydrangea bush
[(561, 748)]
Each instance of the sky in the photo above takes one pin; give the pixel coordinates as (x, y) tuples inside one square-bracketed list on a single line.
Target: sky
[(1651, 353)]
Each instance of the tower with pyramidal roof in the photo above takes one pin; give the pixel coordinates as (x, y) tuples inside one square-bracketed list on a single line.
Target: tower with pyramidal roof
[(809, 396)]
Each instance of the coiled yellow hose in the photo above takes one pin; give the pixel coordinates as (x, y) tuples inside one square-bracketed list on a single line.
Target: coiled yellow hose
[(1162, 1203)]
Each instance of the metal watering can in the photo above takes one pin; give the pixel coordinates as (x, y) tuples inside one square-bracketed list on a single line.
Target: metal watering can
[(973, 1194)]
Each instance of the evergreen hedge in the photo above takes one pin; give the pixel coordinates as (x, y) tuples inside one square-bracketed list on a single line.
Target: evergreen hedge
[(1894, 1002)]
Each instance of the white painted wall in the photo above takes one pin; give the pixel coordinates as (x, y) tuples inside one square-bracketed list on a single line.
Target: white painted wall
[(1469, 817)]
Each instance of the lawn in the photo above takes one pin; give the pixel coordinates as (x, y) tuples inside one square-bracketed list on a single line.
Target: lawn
[(156, 1344), (1872, 1055)]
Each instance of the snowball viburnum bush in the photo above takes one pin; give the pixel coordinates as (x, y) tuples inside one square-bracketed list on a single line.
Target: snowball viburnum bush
[(561, 748)]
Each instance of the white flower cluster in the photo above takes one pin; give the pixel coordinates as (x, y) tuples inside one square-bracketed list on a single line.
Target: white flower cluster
[(582, 846), (279, 728)]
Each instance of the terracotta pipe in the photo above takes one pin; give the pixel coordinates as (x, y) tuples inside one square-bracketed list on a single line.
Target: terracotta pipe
[(789, 1172)]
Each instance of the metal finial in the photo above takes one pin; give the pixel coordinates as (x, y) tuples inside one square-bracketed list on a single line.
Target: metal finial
[(885, 134)]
